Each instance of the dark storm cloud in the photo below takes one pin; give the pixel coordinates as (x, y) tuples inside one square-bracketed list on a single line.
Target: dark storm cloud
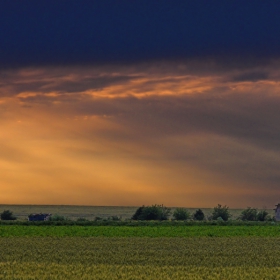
[(247, 117), (251, 76), (93, 83), (235, 136), (51, 80), (220, 105), (91, 32)]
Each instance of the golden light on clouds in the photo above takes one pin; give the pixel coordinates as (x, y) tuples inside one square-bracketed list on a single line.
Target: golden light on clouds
[(139, 135)]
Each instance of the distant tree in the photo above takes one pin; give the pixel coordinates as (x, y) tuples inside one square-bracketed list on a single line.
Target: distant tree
[(181, 214), (7, 215), (198, 215), (263, 216), (154, 212), (138, 213), (221, 211), (249, 214)]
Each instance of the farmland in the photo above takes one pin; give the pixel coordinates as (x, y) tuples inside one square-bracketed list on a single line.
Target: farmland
[(126, 249), (154, 231), (139, 258)]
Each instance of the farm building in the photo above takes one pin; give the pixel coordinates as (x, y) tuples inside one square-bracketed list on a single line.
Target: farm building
[(277, 212), (39, 217)]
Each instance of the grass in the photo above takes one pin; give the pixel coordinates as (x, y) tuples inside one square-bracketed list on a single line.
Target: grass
[(139, 258)]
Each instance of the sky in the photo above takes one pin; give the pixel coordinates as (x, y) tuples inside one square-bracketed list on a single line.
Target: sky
[(130, 103)]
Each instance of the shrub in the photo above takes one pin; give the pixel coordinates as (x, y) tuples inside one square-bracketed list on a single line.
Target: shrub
[(154, 212), (221, 211), (220, 219), (7, 215), (181, 214), (57, 218), (263, 216), (82, 220), (249, 214), (198, 215), (138, 213), (114, 218)]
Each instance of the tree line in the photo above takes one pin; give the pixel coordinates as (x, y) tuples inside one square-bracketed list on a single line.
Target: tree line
[(161, 213), (219, 213)]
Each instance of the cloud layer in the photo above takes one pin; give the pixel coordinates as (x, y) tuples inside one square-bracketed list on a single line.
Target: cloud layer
[(194, 133)]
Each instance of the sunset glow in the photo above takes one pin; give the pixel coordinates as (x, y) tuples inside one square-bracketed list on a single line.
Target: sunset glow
[(73, 136), (115, 108)]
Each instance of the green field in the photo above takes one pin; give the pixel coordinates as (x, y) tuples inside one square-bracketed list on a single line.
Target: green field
[(139, 258), (135, 250), (140, 231)]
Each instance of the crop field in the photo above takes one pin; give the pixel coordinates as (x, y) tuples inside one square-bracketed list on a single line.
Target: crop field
[(135, 250), (139, 258), (140, 231)]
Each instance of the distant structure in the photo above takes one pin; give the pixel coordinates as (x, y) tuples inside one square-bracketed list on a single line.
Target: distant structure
[(277, 212), (39, 217)]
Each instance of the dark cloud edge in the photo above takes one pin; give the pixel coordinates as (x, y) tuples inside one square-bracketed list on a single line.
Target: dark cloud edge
[(232, 60)]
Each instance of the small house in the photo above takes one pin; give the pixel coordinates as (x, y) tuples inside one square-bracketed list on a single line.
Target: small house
[(39, 217), (277, 212)]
